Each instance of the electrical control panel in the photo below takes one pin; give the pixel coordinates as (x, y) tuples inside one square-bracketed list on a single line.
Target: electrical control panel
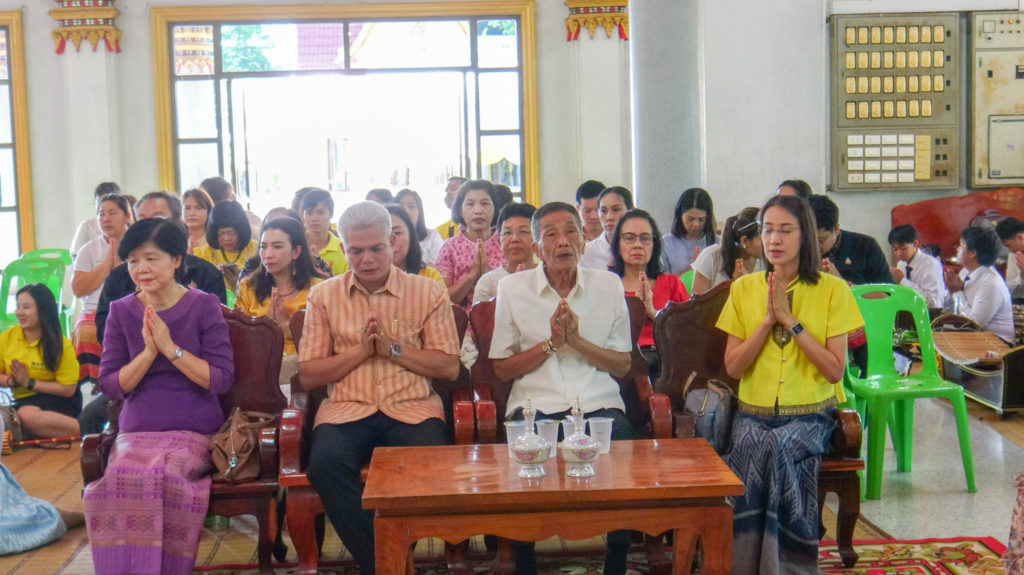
[(895, 101), (996, 99)]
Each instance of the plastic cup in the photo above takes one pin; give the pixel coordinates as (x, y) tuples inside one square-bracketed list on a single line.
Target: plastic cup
[(548, 429), (601, 431), (568, 428), (513, 431)]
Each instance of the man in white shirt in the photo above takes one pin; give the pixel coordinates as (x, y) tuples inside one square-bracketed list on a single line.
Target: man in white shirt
[(978, 289), (1011, 232), (611, 204), (916, 269), (561, 332)]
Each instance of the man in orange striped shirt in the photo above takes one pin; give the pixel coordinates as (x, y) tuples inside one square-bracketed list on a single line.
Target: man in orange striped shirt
[(376, 336)]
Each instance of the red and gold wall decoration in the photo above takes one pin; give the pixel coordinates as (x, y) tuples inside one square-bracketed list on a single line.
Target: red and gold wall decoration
[(589, 14), (92, 20)]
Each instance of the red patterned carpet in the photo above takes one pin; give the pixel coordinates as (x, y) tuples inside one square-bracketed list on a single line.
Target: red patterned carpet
[(960, 556)]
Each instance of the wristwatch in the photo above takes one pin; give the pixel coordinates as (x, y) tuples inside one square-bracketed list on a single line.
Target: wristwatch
[(796, 329), (396, 351), (31, 383), (178, 354), (549, 347)]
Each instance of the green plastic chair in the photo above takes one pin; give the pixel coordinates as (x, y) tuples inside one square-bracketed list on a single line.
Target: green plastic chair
[(24, 271), (230, 299), (687, 279), (885, 393), (56, 253)]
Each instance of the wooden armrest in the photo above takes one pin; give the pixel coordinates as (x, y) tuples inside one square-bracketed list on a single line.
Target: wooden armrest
[(463, 419), (95, 451), (661, 415), (268, 451), (290, 440), (486, 421), (847, 436)]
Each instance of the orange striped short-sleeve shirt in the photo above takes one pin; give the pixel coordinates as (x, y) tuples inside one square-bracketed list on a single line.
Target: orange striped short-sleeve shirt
[(417, 314)]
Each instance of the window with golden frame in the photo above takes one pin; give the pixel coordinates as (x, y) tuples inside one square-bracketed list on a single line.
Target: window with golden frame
[(17, 234)]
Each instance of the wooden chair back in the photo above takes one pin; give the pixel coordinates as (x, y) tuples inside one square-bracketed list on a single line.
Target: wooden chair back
[(688, 341), (258, 346), (638, 377), (481, 317)]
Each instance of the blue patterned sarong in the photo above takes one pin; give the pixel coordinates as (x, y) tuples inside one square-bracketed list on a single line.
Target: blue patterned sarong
[(25, 522)]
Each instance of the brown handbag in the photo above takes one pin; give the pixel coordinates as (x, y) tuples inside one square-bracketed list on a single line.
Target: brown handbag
[(234, 449)]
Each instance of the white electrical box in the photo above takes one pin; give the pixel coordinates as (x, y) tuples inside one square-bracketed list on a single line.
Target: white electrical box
[(997, 99), (895, 101)]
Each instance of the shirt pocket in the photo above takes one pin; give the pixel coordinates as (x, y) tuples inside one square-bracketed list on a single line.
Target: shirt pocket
[(405, 333)]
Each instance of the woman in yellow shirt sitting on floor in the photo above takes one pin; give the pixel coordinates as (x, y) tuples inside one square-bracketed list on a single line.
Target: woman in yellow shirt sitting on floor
[(229, 241), (787, 346), (279, 286), (38, 363)]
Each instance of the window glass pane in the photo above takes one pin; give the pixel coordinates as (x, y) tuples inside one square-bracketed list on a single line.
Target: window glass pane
[(275, 47), (499, 156), (8, 187), (409, 44), (499, 101), (10, 244), (196, 109), (497, 43), (196, 162), (193, 50), (4, 68)]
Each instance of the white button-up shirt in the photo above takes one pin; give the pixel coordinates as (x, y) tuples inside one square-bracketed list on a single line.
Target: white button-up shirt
[(986, 300), (925, 278), (525, 304), (597, 255)]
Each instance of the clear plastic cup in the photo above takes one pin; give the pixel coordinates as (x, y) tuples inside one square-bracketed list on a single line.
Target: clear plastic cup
[(601, 431), (568, 428), (548, 429), (513, 431)]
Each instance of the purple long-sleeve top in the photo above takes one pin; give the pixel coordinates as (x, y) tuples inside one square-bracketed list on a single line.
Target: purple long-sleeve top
[(165, 399)]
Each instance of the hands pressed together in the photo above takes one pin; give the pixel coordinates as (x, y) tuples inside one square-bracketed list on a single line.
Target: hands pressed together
[(375, 340), (777, 309), (17, 378), (565, 325), (155, 334)]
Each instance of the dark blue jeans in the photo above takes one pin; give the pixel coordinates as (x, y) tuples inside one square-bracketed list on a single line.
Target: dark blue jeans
[(338, 452)]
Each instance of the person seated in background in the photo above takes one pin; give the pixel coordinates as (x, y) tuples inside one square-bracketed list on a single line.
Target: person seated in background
[(221, 190), (406, 250), (430, 241), (280, 284), (91, 268), (636, 258), (611, 204), (451, 228), (320, 268), (798, 188), (317, 211), (503, 196), (516, 239), (693, 229), (27, 522), (739, 253), (561, 332), (375, 337), (979, 292), (168, 356), (916, 269), (229, 242), (1011, 233), (89, 229), (198, 205), (787, 356), (38, 364), (586, 205), (475, 250), (194, 272), (857, 258), (380, 195)]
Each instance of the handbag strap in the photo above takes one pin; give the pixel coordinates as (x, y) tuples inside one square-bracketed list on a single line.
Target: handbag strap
[(257, 419), (689, 381)]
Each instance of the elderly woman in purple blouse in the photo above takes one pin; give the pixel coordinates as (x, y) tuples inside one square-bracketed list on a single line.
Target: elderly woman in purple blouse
[(167, 354)]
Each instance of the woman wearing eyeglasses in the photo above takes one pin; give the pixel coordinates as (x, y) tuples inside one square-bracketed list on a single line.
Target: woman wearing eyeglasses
[(636, 258), (738, 254), (787, 347)]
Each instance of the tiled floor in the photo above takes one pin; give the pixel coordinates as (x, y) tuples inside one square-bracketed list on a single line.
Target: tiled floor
[(932, 500)]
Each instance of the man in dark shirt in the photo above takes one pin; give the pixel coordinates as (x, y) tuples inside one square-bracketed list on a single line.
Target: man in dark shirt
[(857, 258), (195, 272)]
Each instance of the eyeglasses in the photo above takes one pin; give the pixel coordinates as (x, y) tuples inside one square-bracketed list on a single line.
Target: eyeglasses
[(783, 232), (227, 232), (644, 239)]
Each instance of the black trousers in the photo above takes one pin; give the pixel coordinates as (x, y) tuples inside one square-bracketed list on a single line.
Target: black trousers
[(338, 452), (618, 541)]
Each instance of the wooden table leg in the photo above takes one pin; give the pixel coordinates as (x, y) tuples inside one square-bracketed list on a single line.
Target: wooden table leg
[(684, 545), (716, 540), (392, 552)]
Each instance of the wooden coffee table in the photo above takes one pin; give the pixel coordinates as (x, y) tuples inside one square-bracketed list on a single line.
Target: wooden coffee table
[(456, 492)]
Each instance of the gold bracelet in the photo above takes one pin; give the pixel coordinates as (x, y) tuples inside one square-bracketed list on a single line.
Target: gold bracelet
[(549, 347)]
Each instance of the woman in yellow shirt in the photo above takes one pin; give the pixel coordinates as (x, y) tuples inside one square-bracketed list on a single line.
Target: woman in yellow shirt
[(787, 346), (407, 254), (38, 363), (229, 241), (279, 286)]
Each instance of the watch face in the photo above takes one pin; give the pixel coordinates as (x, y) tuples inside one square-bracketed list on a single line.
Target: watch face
[(396, 350)]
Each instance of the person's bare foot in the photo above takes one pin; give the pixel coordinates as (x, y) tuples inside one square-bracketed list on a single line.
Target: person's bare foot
[(72, 519)]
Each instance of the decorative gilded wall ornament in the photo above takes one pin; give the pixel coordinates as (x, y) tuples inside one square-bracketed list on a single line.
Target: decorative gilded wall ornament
[(86, 19), (589, 14)]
